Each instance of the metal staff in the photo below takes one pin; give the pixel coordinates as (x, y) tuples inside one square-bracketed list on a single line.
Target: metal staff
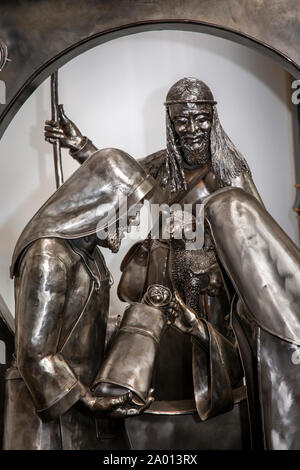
[(56, 146)]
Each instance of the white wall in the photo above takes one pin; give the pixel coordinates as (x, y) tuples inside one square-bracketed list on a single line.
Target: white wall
[(115, 95)]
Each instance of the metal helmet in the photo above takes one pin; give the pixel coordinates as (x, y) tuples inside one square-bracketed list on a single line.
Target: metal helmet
[(189, 90), (81, 205)]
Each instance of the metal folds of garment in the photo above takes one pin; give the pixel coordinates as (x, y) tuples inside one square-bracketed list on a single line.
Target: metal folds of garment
[(263, 265), (216, 375), (59, 346), (81, 206), (260, 259)]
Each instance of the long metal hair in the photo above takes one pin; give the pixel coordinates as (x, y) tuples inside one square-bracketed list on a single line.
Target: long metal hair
[(227, 161)]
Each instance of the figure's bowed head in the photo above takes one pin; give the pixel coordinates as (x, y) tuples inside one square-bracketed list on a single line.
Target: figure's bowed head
[(88, 207)]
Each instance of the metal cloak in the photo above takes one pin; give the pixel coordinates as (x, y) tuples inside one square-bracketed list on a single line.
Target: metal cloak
[(263, 265), (62, 302), (73, 211)]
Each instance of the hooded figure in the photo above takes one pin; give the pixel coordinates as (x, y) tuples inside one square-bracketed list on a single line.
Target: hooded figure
[(62, 300)]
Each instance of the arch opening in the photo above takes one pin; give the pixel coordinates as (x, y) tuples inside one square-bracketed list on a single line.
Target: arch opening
[(15, 102)]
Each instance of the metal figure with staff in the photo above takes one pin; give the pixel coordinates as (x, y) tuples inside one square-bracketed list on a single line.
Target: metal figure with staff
[(59, 177), (62, 299), (202, 165)]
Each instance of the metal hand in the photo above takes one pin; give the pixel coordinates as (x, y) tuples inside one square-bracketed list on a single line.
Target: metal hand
[(104, 405), (65, 130), (181, 316), (128, 407)]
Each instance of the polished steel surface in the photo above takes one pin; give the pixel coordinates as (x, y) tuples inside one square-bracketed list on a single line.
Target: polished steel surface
[(131, 360), (199, 160), (186, 432), (73, 211), (3, 54), (197, 321), (55, 363), (262, 251), (279, 378), (62, 300), (263, 265)]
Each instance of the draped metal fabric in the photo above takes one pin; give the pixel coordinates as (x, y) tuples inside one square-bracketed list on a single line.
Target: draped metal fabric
[(80, 207), (59, 347), (62, 303), (263, 265)]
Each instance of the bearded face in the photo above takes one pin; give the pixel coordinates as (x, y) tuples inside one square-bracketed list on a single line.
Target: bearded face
[(192, 123)]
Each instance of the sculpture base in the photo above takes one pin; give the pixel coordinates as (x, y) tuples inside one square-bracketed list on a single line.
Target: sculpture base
[(229, 431)]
